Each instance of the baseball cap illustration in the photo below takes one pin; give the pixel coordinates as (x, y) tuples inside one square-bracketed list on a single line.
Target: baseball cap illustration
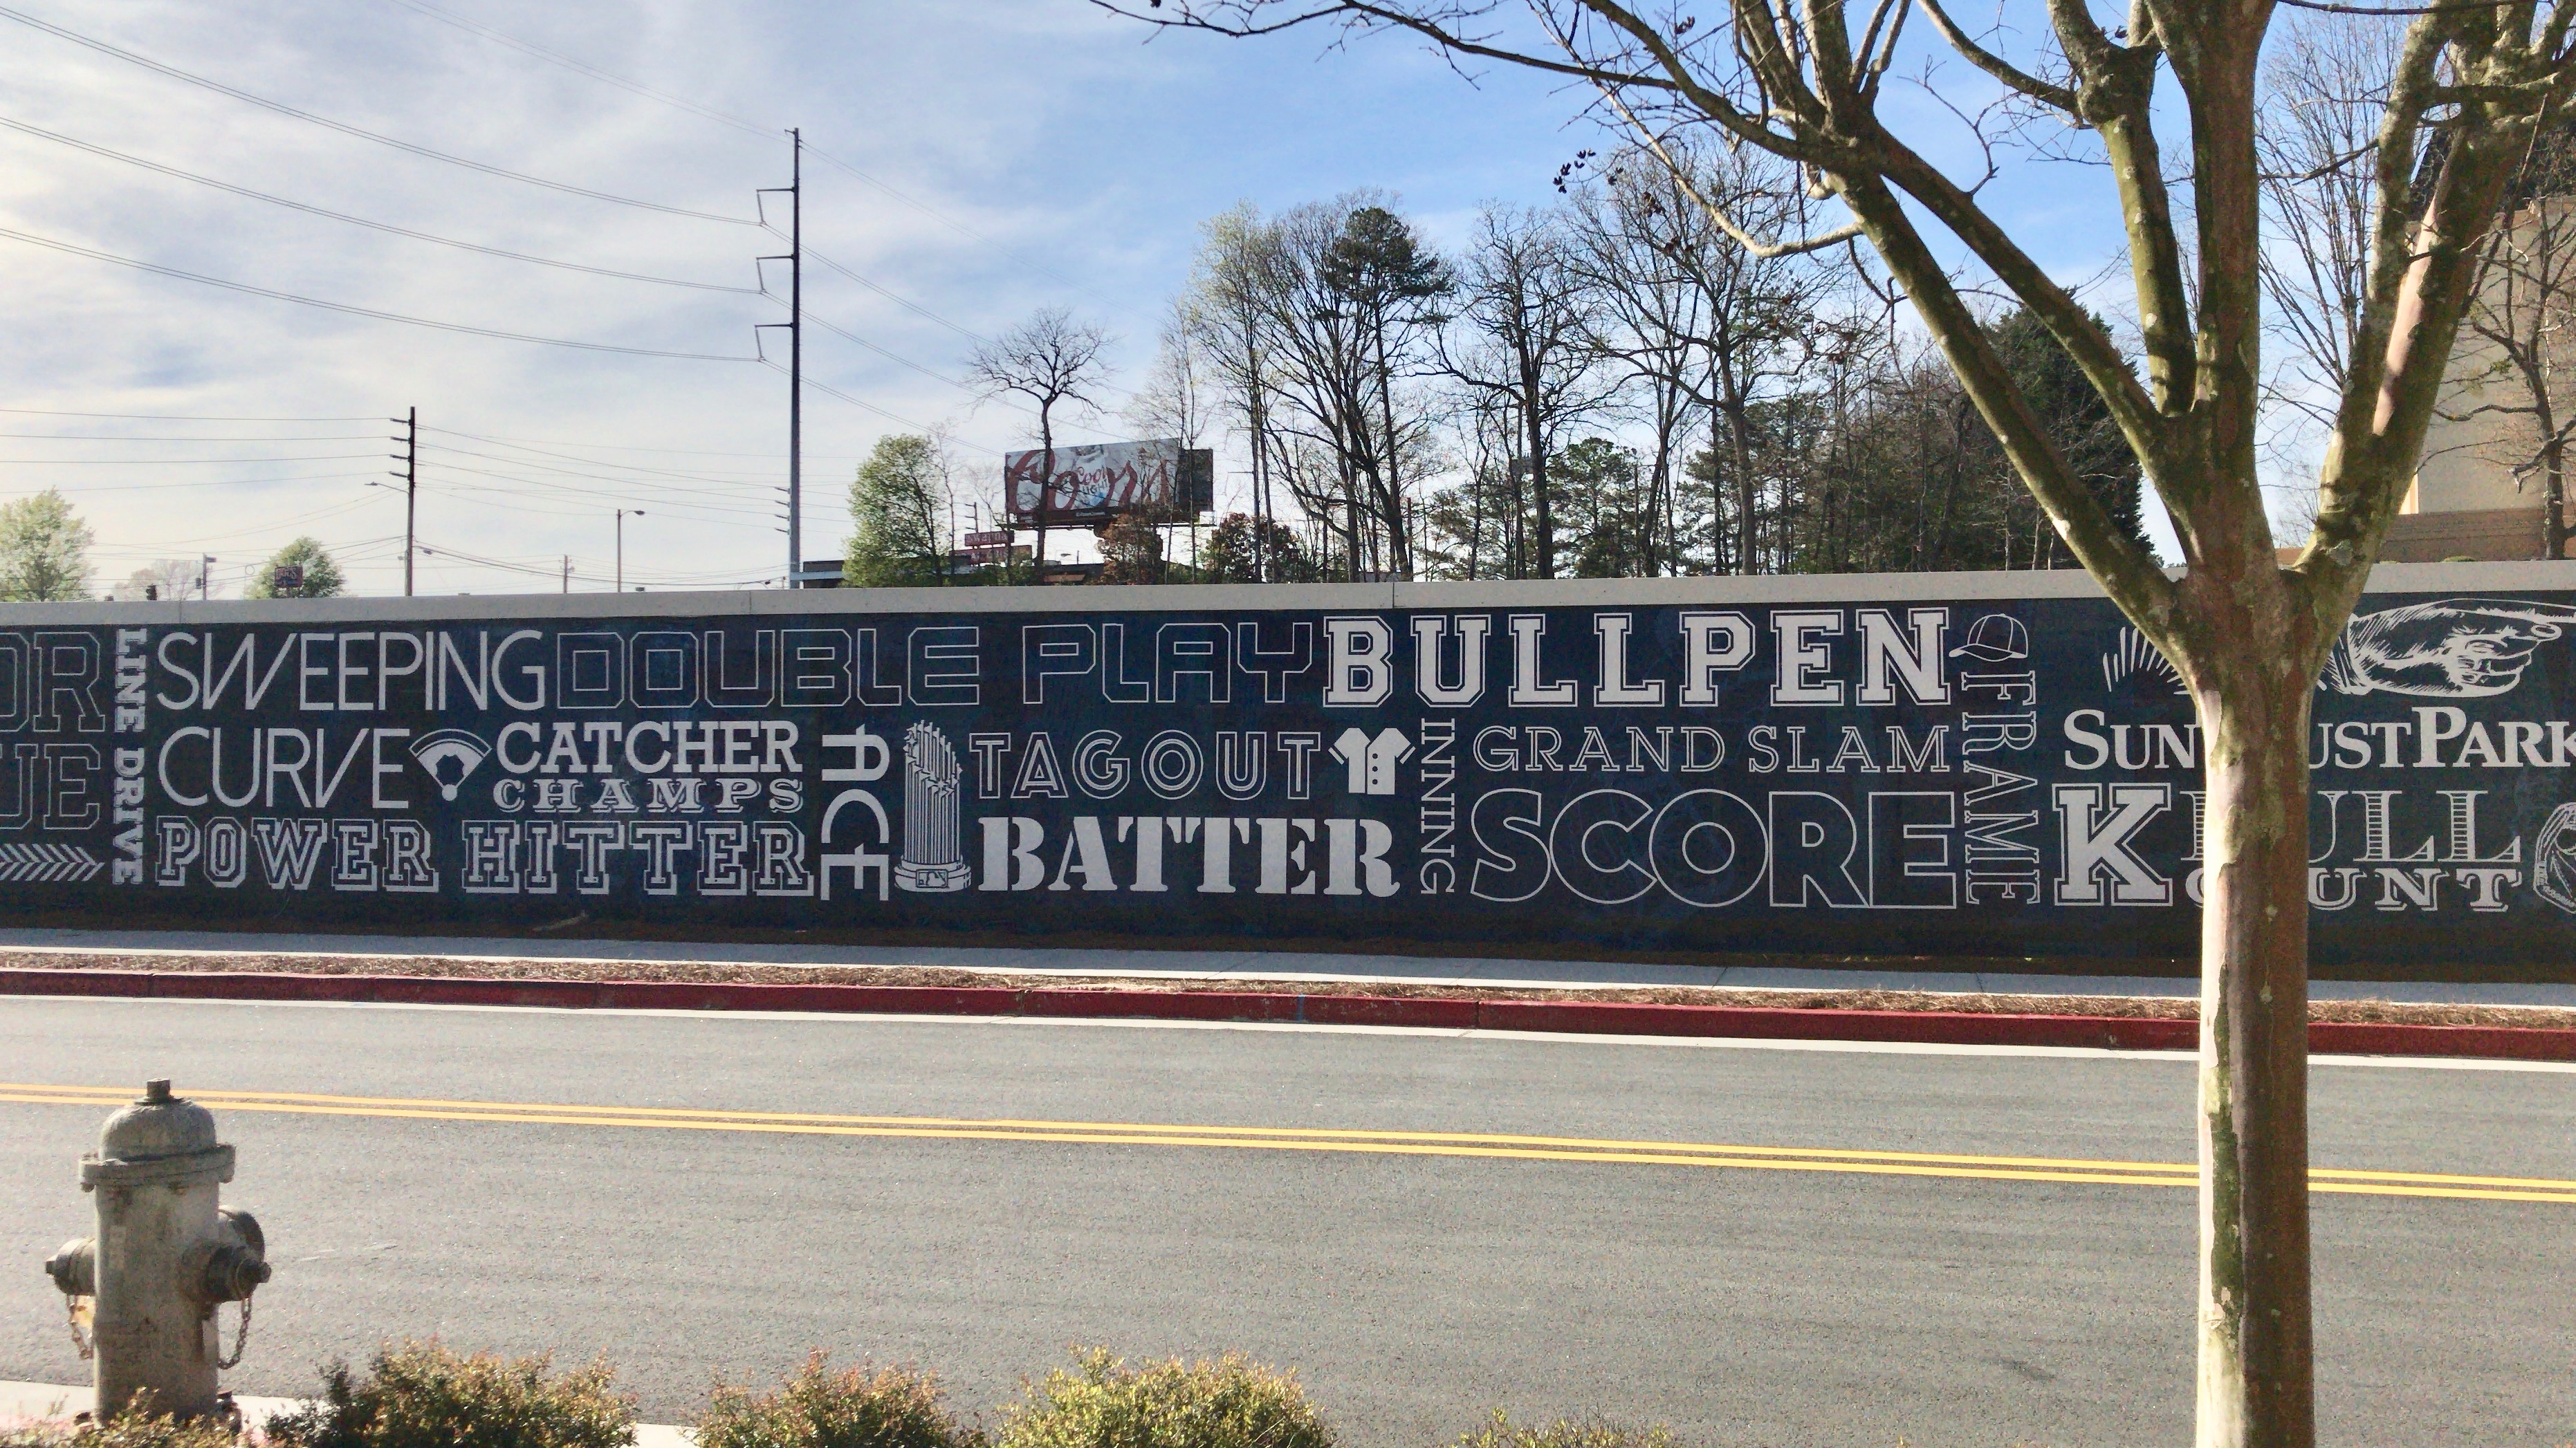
[(1994, 639)]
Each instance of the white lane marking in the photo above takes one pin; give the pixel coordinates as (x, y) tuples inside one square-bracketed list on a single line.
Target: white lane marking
[(1721, 1043)]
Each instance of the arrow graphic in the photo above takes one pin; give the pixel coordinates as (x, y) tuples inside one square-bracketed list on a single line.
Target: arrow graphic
[(47, 864)]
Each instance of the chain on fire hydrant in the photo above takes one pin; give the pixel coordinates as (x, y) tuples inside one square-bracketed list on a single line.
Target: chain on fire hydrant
[(166, 1255)]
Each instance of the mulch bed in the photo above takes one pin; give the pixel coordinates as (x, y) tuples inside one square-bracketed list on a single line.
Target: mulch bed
[(2374, 1012)]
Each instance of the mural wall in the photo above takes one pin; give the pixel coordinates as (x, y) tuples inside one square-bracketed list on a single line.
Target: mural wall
[(1725, 766)]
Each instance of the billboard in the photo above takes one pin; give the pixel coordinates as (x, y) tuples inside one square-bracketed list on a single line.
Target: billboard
[(1978, 765), (1093, 483)]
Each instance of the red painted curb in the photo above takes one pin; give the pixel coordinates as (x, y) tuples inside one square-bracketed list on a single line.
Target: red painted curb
[(2503, 1043), (1956, 1028), (2118, 1033)]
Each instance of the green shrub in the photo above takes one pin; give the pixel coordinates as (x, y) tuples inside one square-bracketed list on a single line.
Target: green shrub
[(818, 1408), (1101, 1402), (1500, 1431), (420, 1395)]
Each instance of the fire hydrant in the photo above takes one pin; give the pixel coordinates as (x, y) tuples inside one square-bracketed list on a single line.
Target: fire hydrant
[(166, 1255)]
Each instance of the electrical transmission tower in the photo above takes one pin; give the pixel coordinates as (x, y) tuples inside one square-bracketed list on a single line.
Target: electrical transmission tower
[(795, 325)]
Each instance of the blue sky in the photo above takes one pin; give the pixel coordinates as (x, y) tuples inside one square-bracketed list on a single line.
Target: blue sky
[(1027, 153)]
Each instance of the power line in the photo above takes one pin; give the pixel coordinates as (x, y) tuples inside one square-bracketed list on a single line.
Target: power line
[(384, 226), (356, 311), (730, 487), (628, 447), (596, 462), (196, 539), (897, 418), (885, 291), (175, 462), (184, 437), (897, 358), (637, 483), (828, 390), (531, 48), (902, 361), (203, 483), (627, 495), (953, 224), (169, 417), (481, 561), (344, 128), (517, 501)]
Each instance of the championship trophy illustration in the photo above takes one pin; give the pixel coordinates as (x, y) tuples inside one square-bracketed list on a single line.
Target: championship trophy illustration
[(932, 859)]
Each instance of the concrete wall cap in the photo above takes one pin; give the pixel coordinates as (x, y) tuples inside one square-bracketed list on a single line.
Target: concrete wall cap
[(858, 603)]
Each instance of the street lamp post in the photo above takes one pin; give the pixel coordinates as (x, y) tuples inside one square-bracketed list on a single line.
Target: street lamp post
[(621, 544)]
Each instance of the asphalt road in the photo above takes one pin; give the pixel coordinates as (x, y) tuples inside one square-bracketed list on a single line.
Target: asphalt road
[(1415, 1289)]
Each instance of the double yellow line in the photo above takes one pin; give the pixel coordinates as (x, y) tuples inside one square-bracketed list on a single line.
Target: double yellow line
[(1267, 1138)]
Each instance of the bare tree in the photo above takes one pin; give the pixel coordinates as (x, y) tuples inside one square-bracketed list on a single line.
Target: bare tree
[(1325, 422), (2248, 634), (1345, 292), (1176, 398), (1390, 283), (163, 578), (1519, 343), (1049, 359), (1758, 313), (2325, 87), (2520, 357), (1227, 308), (1649, 318)]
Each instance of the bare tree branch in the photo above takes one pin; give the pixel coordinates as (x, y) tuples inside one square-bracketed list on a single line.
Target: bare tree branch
[(2056, 96)]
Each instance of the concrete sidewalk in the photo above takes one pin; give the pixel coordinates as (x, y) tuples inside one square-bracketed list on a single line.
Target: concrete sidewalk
[(22, 1403), (1246, 965)]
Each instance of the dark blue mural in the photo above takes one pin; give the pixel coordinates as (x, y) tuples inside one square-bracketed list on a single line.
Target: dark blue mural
[(1988, 778)]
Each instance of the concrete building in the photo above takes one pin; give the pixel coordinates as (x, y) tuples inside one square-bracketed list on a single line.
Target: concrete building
[(2481, 490)]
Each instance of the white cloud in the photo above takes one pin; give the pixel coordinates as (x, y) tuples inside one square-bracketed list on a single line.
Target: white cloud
[(1085, 149)]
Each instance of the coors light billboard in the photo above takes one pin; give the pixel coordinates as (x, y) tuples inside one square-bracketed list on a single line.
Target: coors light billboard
[(1095, 482)]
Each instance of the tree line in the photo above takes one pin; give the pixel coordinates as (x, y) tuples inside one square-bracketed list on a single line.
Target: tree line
[(44, 558), (1609, 387)]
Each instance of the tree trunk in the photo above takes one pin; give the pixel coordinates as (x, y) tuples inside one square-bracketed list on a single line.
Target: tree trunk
[(1399, 548), (1748, 548), (1535, 429), (2256, 1376), (2553, 511)]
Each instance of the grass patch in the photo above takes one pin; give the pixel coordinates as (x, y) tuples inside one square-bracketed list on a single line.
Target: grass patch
[(1101, 1402), (420, 1395)]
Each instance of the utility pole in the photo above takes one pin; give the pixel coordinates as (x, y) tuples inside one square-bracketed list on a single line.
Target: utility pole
[(795, 325), (205, 573), (409, 457), (567, 573)]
